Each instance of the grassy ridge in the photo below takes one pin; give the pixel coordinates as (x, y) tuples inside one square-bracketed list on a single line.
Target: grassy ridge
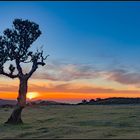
[(83, 121)]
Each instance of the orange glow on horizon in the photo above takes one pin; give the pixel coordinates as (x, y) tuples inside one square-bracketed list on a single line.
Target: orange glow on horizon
[(65, 96), (70, 92), (81, 96), (32, 95)]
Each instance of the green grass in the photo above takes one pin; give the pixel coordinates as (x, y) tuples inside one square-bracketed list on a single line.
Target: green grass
[(89, 121)]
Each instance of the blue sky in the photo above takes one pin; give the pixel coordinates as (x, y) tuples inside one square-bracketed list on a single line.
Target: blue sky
[(99, 33), (94, 48)]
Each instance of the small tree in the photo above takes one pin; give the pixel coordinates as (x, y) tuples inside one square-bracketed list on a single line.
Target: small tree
[(98, 99), (92, 100), (84, 101), (14, 47)]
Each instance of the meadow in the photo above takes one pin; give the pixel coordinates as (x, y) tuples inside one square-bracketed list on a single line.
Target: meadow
[(74, 122)]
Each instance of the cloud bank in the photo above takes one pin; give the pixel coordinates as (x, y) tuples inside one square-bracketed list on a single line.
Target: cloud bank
[(68, 72)]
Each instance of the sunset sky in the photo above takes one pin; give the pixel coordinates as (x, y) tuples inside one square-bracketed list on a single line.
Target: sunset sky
[(94, 49)]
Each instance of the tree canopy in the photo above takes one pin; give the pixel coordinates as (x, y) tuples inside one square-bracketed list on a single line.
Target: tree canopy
[(14, 46)]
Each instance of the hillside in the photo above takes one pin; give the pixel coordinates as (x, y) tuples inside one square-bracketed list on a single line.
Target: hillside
[(108, 101), (98, 101), (11, 103), (7, 102)]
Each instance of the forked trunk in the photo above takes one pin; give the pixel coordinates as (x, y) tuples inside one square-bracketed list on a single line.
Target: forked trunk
[(15, 117)]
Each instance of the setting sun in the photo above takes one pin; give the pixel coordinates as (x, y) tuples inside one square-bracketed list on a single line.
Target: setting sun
[(31, 95)]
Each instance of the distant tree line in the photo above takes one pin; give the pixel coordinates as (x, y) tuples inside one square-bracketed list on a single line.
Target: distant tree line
[(107, 101)]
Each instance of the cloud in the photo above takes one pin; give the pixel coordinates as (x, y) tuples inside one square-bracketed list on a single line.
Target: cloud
[(71, 88), (68, 88), (66, 72), (124, 77), (8, 88)]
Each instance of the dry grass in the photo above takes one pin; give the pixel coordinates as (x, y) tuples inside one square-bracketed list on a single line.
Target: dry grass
[(91, 121)]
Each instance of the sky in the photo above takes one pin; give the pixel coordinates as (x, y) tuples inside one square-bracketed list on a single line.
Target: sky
[(93, 46)]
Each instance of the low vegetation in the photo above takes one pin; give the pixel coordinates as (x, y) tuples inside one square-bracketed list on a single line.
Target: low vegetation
[(72, 121), (111, 101)]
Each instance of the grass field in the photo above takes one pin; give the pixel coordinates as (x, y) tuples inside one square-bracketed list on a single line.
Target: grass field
[(95, 121)]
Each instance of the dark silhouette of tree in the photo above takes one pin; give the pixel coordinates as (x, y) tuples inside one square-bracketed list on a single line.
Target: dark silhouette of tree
[(14, 47), (91, 100), (84, 101), (111, 101), (98, 99)]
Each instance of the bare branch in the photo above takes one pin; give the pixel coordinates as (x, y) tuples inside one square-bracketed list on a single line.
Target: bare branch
[(26, 61), (42, 63), (34, 68), (8, 74), (19, 67), (11, 68), (37, 60), (46, 57)]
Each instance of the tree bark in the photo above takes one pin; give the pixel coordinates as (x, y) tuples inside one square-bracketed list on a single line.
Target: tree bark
[(15, 117)]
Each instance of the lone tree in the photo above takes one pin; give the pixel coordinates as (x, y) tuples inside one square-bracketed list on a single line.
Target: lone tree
[(14, 48)]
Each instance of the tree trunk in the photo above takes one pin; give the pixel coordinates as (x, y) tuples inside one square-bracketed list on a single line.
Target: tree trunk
[(15, 117)]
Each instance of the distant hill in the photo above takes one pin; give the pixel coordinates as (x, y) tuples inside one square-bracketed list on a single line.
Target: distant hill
[(11, 103), (45, 102), (108, 101), (98, 101)]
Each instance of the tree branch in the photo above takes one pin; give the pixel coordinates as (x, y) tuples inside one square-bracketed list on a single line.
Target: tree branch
[(34, 68), (19, 67), (36, 63), (9, 74), (41, 63)]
